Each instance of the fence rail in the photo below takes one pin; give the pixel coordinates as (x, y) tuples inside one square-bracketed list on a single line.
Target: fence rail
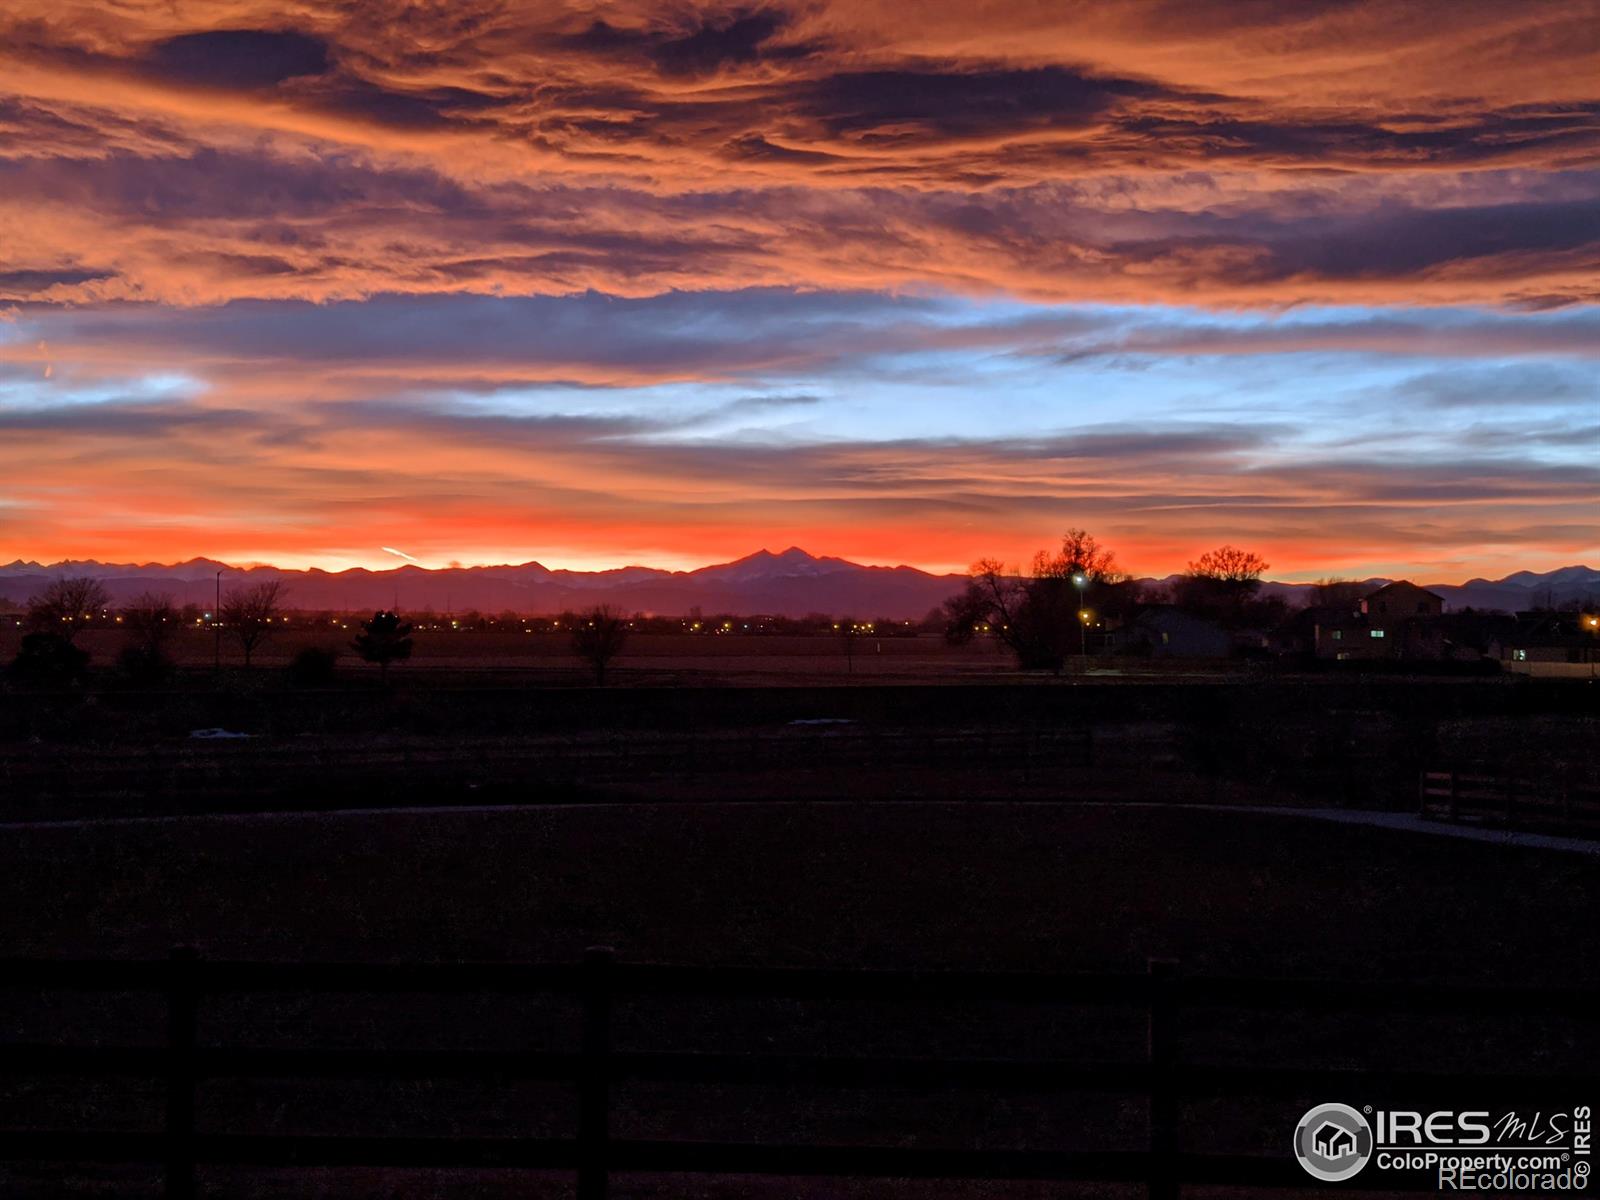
[(1162, 1076), (1484, 797)]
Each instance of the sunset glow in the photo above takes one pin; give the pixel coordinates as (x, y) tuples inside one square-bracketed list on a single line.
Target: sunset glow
[(600, 284)]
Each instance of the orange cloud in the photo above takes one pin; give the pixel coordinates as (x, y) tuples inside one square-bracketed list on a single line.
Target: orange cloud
[(481, 197), (1252, 155)]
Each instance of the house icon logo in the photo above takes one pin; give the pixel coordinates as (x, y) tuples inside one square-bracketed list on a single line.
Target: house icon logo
[(1333, 1142)]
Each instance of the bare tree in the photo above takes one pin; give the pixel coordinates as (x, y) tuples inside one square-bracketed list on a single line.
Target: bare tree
[(1221, 584), (1229, 564), (850, 631), (149, 620), (1035, 614), (1081, 555), (248, 613), (1337, 593), (66, 605), (383, 640), (598, 636)]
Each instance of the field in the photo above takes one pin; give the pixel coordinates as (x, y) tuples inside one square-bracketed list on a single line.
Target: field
[(648, 658), (1086, 824), (1014, 886)]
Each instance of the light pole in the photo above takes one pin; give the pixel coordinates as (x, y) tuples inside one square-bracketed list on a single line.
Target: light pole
[(216, 627), (1081, 581)]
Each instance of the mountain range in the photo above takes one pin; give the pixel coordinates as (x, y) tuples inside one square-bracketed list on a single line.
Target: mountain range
[(792, 583)]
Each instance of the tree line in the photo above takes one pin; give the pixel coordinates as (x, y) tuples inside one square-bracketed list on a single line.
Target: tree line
[(1042, 613), (249, 616)]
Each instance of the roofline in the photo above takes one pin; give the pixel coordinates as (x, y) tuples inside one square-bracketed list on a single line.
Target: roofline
[(1396, 583)]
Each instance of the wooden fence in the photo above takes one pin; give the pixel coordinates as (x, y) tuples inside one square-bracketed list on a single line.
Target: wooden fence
[(1480, 797), (1162, 1076)]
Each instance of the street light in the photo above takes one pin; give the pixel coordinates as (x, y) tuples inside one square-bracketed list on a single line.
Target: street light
[(1081, 581), (216, 628)]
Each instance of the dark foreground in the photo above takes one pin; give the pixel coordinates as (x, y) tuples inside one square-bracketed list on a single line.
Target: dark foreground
[(1016, 887), (1078, 831)]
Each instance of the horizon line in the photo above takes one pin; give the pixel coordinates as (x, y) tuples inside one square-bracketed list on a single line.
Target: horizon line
[(414, 565)]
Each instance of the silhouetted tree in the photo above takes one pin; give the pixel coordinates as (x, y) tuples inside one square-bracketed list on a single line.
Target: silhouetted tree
[(313, 666), (1037, 614), (963, 616), (1229, 564), (1081, 554), (149, 620), (598, 636), (1221, 583), (850, 632), (144, 666), (66, 605), (249, 612), (47, 660), (1337, 593), (383, 640)]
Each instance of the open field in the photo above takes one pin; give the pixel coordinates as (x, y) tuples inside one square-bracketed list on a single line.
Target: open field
[(1020, 827), (508, 648), (1044, 886), (935, 885)]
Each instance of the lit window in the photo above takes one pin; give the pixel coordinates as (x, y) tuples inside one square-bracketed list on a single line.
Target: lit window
[(1338, 635), (1520, 655), (1377, 633)]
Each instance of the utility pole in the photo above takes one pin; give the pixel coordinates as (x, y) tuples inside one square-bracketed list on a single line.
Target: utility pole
[(1081, 581), (216, 627)]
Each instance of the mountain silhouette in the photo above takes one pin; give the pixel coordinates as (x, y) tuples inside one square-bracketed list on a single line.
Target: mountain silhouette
[(790, 582)]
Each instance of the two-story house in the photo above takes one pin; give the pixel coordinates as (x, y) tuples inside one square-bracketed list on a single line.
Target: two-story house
[(1397, 621)]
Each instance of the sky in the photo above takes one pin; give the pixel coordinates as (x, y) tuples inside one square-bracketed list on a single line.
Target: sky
[(596, 283)]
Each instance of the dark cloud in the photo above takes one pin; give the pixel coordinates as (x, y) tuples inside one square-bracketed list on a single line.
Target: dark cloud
[(26, 284), (413, 109), (1516, 385), (1133, 152), (705, 45), (1407, 240), (1231, 131), (131, 420), (238, 58), (906, 104)]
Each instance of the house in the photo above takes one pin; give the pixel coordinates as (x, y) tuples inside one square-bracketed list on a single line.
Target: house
[(1297, 634), (1333, 1142), (1553, 637), (1402, 598), (1398, 621), (1165, 631)]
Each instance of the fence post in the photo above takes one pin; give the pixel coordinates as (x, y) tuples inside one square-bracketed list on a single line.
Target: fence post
[(594, 1080), (1163, 1180), (182, 996)]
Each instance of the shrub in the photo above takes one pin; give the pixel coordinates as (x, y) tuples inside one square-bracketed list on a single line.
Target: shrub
[(145, 666), (313, 666), (48, 660)]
